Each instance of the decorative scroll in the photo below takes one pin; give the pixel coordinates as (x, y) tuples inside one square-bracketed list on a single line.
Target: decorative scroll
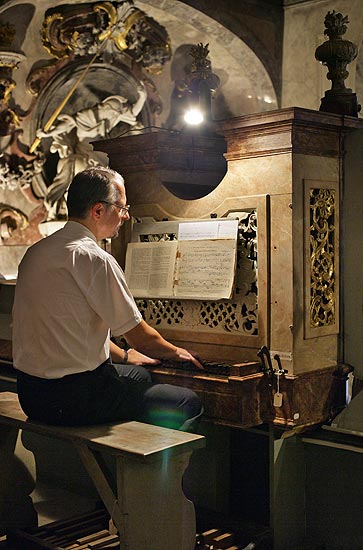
[(78, 30), (322, 257), (237, 316)]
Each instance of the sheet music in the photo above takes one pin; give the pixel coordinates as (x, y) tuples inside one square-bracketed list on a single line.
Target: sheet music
[(150, 268), (205, 269), (201, 265), (211, 229)]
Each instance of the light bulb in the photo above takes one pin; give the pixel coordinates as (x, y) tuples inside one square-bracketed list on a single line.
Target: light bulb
[(193, 116)]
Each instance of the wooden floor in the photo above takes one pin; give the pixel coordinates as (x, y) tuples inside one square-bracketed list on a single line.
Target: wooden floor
[(54, 503)]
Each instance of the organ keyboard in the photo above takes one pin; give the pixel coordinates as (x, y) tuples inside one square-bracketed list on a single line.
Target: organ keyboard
[(232, 394), (214, 368)]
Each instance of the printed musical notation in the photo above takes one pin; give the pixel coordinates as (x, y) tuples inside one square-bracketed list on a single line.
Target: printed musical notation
[(202, 268), (150, 268), (205, 269)]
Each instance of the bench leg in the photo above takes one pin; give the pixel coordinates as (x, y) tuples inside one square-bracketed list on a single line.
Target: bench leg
[(157, 515), (100, 482), (150, 510), (16, 484)]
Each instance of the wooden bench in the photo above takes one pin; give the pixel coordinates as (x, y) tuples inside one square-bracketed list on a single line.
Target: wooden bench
[(149, 509)]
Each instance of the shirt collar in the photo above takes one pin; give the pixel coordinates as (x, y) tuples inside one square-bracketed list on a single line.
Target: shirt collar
[(79, 230)]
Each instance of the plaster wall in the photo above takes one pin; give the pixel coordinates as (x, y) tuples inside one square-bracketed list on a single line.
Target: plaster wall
[(353, 254), (303, 77), (245, 87)]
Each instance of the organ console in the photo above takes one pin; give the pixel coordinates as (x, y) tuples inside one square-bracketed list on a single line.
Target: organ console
[(283, 184), (277, 351), (285, 174)]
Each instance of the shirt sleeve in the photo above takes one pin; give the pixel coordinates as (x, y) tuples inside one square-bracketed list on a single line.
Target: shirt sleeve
[(111, 299)]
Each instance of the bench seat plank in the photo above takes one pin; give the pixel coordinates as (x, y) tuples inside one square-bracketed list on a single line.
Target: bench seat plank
[(149, 508), (144, 441)]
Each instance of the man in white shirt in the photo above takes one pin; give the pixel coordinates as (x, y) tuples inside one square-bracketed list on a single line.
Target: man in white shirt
[(70, 295)]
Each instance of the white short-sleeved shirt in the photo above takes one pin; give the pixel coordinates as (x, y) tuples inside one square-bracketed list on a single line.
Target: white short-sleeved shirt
[(70, 293)]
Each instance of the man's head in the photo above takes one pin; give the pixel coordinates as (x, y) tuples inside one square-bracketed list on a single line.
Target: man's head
[(97, 199)]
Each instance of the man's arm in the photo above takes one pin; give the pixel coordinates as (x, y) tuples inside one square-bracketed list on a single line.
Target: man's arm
[(149, 341), (133, 357)]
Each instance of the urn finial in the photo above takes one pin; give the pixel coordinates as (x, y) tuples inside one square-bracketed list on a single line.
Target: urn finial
[(336, 53)]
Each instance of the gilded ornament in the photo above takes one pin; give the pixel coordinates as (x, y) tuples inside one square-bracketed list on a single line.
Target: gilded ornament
[(50, 44), (322, 257), (79, 30), (120, 38), (111, 12)]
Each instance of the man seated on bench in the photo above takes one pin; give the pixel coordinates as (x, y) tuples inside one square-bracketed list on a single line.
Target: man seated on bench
[(70, 295)]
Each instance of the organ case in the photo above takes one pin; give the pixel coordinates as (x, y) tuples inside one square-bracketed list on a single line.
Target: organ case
[(283, 183)]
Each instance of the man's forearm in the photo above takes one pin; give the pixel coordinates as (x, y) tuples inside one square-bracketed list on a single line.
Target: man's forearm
[(118, 354), (149, 341)]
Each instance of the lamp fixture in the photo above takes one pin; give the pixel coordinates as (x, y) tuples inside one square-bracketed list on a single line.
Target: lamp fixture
[(189, 162), (201, 82), (194, 116)]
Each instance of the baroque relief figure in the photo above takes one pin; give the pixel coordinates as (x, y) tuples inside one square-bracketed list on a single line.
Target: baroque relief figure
[(71, 135), (102, 53), (95, 86)]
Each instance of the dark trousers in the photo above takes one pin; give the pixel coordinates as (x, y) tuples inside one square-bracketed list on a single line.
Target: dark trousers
[(107, 394)]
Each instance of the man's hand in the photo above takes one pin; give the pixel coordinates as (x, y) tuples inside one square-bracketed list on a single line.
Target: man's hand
[(136, 358), (133, 357), (186, 355), (150, 342)]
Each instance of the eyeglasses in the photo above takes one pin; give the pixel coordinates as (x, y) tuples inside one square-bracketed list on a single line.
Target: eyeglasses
[(121, 208)]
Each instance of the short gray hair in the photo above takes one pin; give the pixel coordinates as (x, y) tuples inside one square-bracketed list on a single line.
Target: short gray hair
[(90, 186)]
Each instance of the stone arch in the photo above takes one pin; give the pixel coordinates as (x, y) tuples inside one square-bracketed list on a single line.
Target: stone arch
[(245, 88)]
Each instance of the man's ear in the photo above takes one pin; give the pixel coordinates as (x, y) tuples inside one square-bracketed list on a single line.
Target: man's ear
[(97, 210)]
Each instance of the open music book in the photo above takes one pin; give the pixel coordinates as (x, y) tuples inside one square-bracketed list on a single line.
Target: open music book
[(200, 265)]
